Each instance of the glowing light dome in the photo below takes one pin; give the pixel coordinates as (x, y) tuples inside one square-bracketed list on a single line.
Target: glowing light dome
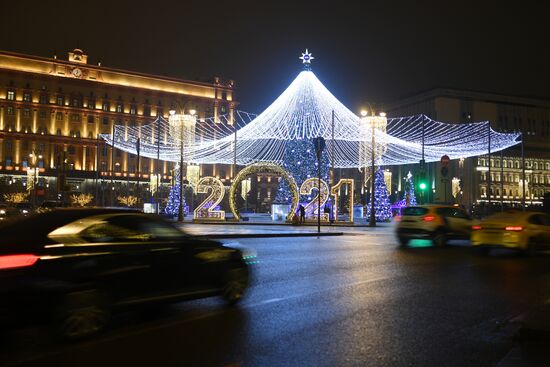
[(304, 111)]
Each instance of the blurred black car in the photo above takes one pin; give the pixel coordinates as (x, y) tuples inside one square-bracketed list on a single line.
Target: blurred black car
[(73, 267)]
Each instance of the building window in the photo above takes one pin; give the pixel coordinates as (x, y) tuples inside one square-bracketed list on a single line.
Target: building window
[(44, 99), (147, 111), (26, 112), (10, 110), (76, 102), (27, 97), (58, 132), (105, 106), (90, 119), (90, 135), (119, 108), (59, 116), (133, 109), (70, 149), (60, 101), (91, 103), (75, 117), (42, 114), (11, 95), (105, 121)]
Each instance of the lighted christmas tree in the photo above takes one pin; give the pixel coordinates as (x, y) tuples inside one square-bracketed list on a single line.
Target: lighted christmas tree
[(300, 161), (409, 190), (382, 207), (172, 206)]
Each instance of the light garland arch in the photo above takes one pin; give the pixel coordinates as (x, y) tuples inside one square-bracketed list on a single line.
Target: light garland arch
[(264, 167)]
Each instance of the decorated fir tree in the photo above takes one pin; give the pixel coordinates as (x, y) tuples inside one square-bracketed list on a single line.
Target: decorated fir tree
[(300, 161), (409, 190), (172, 206), (382, 207)]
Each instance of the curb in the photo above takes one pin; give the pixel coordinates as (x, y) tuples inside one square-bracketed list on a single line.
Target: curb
[(267, 235)]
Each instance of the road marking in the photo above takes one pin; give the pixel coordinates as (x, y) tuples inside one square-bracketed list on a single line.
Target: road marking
[(274, 300)]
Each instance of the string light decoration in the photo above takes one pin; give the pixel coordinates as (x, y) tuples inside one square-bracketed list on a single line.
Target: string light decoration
[(304, 111), (174, 196), (267, 167), (205, 211), (455, 186), (409, 196), (335, 191), (312, 208), (382, 207), (300, 160)]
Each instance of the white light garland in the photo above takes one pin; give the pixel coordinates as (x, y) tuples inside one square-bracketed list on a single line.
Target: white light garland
[(304, 111)]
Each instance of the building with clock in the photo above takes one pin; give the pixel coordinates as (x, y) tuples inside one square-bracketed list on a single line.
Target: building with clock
[(52, 112)]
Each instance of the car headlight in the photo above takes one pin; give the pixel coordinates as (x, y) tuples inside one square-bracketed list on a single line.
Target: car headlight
[(24, 211), (2, 211)]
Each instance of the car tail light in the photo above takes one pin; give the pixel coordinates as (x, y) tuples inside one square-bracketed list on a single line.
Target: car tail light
[(17, 261), (475, 228), (398, 218), (514, 228), (428, 218)]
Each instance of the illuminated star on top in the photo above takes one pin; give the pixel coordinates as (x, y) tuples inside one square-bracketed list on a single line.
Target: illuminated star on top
[(306, 57)]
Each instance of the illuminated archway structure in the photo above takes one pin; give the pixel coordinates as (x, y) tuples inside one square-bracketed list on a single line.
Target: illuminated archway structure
[(304, 111), (267, 167)]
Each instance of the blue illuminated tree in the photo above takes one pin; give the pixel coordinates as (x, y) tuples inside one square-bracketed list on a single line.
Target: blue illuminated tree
[(409, 190), (382, 207), (172, 206), (300, 161)]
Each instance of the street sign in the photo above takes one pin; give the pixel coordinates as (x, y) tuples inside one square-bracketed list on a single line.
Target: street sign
[(319, 144), (445, 160)]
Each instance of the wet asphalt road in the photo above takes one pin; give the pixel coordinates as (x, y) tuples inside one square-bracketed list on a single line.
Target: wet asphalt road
[(351, 300)]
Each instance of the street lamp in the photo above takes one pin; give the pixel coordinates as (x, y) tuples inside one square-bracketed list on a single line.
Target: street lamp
[(33, 173), (182, 128), (372, 122)]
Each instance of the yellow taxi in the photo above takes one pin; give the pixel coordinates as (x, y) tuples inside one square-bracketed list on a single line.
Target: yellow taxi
[(525, 231)]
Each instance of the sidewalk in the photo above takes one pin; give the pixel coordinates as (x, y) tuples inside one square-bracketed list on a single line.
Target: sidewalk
[(256, 230)]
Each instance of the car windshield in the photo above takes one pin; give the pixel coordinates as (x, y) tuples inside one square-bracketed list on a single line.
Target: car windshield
[(415, 211)]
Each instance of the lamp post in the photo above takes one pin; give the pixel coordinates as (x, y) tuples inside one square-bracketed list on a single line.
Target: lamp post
[(182, 128), (373, 122), (34, 156)]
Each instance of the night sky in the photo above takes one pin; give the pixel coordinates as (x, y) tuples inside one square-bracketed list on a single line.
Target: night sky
[(375, 52)]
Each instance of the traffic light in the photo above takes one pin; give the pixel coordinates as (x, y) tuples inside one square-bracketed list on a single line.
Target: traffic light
[(422, 182)]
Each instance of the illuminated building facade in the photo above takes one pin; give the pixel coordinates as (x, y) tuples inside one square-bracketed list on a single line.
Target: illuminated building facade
[(530, 116), (52, 112)]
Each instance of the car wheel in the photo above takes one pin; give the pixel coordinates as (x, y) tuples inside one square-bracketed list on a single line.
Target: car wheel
[(235, 283), (80, 315), (439, 239)]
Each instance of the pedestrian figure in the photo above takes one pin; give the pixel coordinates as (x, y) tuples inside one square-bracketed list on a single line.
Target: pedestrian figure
[(302, 214)]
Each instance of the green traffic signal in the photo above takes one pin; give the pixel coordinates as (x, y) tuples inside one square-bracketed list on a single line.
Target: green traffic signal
[(422, 186)]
